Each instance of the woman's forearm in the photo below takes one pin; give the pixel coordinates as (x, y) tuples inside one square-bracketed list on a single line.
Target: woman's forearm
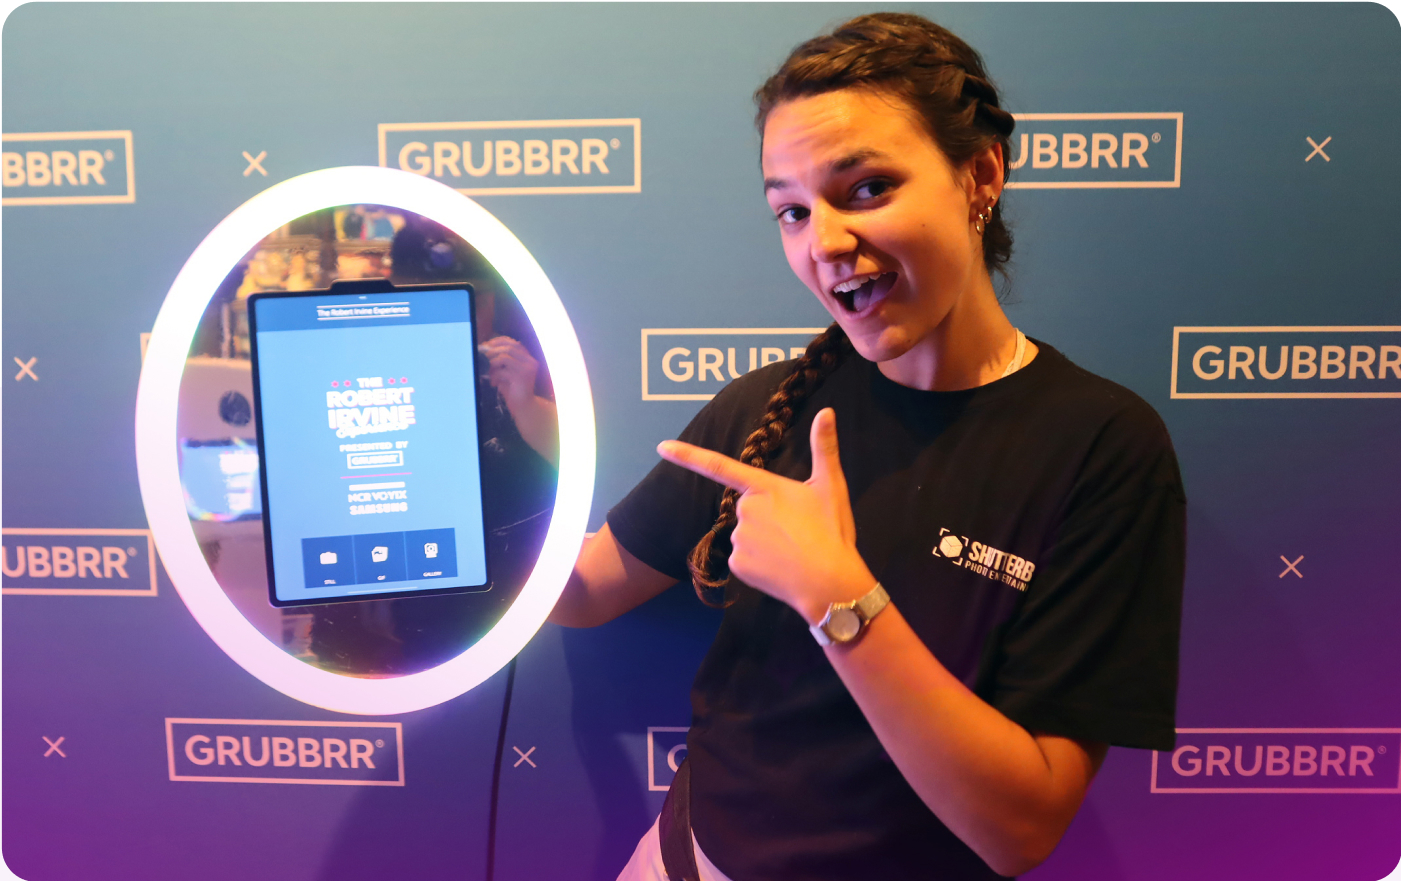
[(538, 422), (1008, 794)]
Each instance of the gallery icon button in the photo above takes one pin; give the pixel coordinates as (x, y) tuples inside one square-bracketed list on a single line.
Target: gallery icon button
[(432, 553)]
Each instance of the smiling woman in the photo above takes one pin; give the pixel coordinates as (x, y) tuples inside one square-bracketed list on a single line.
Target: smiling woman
[(935, 628)]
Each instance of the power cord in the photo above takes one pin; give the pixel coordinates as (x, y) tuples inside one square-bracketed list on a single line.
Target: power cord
[(496, 773)]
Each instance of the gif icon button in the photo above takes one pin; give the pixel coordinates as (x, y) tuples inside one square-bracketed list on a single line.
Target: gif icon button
[(666, 748)]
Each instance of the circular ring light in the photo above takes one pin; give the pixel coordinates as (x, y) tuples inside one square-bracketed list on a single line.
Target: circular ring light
[(158, 467)]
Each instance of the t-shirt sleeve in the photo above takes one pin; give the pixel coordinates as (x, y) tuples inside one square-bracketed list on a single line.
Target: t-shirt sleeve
[(1092, 653), (671, 509)]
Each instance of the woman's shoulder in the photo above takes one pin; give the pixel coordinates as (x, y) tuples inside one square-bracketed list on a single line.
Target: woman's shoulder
[(1117, 429), (1092, 400)]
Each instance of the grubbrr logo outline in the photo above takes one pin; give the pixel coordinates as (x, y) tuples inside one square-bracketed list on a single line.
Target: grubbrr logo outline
[(580, 156), (693, 363), (79, 162), (93, 564), (1114, 158), (1280, 761), (1305, 361), (251, 751), (663, 750)]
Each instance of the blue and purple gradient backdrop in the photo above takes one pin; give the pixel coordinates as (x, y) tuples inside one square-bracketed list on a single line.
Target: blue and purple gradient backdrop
[(1254, 236)]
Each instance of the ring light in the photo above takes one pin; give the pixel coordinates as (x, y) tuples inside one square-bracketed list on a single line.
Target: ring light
[(158, 467)]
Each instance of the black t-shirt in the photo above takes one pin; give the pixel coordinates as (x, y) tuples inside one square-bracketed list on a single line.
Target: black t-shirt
[(1031, 531)]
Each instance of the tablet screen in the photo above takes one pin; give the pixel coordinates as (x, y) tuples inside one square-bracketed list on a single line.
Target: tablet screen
[(367, 418)]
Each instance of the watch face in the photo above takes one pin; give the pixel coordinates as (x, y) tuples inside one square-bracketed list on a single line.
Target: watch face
[(843, 625)]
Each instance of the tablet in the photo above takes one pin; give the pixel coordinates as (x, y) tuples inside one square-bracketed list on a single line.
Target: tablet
[(367, 415)]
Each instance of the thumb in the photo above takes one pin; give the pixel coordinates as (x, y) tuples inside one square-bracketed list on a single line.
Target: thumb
[(826, 458)]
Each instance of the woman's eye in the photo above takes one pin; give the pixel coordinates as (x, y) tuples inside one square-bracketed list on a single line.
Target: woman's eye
[(791, 214), (870, 189)]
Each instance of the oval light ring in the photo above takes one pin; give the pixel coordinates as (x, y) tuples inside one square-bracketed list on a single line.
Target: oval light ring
[(158, 466)]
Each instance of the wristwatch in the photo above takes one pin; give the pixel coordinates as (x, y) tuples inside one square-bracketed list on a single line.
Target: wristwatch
[(844, 622)]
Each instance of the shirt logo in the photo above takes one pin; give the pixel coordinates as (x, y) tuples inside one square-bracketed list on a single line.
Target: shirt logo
[(985, 560)]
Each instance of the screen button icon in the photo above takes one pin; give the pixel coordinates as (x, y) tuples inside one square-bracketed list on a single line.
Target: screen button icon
[(432, 553), (326, 561), (379, 557)]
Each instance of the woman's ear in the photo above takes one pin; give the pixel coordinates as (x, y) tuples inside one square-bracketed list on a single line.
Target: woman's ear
[(987, 170)]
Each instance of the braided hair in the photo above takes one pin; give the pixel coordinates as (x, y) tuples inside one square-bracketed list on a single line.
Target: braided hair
[(822, 356), (943, 79)]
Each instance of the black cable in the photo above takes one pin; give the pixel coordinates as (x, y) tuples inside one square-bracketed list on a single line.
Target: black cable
[(496, 773)]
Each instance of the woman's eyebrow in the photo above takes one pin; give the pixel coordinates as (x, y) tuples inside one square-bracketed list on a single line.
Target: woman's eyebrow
[(836, 166)]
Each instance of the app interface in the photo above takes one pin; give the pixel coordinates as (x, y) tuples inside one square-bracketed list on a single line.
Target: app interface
[(369, 420)]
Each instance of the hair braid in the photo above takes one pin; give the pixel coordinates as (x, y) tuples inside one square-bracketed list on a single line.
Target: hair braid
[(823, 355)]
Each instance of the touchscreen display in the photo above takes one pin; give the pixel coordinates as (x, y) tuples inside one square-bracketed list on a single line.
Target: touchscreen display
[(368, 432)]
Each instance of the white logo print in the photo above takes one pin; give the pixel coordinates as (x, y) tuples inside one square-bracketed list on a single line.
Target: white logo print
[(985, 560)]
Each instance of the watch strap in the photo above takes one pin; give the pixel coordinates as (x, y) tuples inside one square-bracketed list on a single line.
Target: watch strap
[(866, 608)]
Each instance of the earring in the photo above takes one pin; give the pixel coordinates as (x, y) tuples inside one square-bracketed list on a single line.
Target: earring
[(984, 218)]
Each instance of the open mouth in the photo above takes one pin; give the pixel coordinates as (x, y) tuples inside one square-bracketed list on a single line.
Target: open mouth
[(858, 295)]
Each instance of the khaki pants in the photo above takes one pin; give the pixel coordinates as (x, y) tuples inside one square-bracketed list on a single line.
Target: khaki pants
[(646, 862)]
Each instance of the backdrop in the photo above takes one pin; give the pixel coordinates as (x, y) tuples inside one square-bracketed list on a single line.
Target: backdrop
[(1205, 212)]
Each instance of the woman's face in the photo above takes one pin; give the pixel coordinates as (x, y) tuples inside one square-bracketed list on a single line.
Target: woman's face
[(874, 219)]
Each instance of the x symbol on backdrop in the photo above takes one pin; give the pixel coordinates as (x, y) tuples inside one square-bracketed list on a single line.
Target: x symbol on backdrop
[(53, 747), (257, 162), (25, 367), (1318, 149), (524, 757), (1289, 567)]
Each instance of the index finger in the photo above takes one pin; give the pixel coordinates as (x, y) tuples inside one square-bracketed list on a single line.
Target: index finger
[(718, 467)]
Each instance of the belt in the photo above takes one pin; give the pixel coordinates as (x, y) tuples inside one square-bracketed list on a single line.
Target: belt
[(674, 828)]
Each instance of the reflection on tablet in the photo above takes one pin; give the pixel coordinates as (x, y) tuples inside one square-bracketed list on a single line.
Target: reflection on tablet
[(367, 415)]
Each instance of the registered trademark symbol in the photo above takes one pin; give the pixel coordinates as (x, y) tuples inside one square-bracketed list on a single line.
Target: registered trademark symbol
[(110, 155), (1157, 137), (615, 143), (379, 743), (1382, 750), (131, 552)]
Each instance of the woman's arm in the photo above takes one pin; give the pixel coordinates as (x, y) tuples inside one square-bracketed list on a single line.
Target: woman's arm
[(1007, 793), (606, 582), (513, 372)]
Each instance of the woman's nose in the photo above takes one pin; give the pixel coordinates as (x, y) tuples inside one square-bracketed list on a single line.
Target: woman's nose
[(832, 237)]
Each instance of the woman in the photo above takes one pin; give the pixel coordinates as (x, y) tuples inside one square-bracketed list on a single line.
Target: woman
[(934, 630)]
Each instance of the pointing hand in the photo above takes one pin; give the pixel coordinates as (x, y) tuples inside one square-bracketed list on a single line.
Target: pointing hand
[(795, 541)]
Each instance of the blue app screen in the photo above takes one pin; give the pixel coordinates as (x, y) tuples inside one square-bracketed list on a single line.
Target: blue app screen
[(368, 414)]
